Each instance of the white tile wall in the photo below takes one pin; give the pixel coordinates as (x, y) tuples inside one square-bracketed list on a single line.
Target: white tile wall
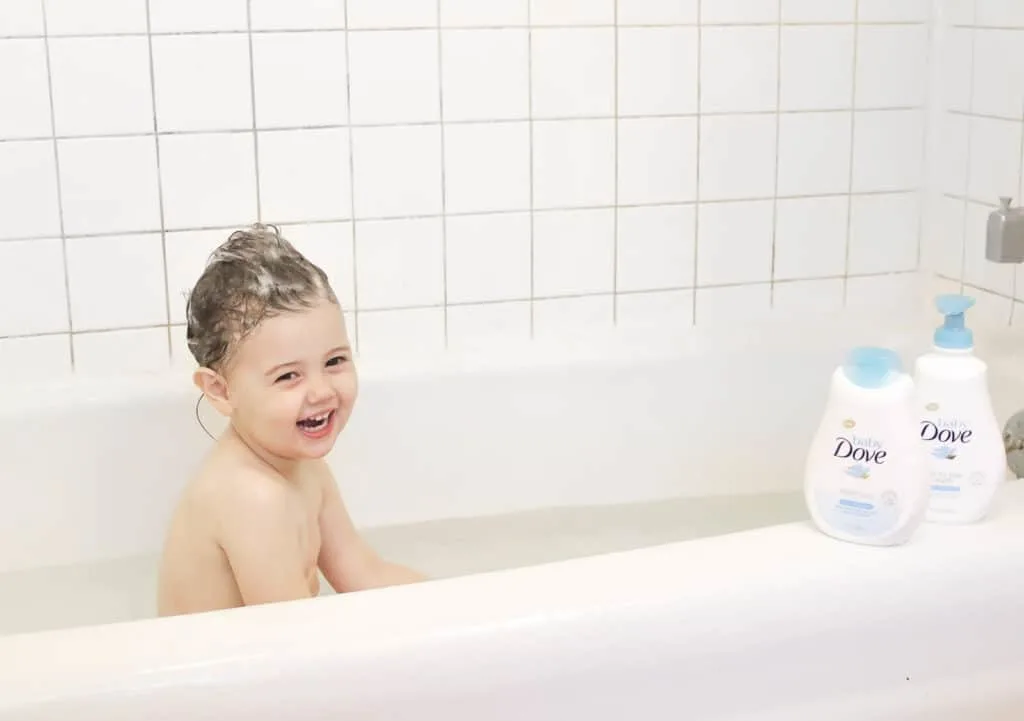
[(979, 152), (480, 173)]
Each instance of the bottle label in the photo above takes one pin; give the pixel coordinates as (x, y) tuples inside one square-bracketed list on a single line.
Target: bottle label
[(860, 502), (951, 454)]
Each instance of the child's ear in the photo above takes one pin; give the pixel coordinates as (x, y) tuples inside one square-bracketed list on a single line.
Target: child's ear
[(215, 388)]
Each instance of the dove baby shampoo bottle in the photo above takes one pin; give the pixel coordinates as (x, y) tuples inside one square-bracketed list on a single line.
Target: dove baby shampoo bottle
[(866, 479), (965, 452)]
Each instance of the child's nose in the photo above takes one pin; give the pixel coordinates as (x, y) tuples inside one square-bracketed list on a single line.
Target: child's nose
[(319, 389)]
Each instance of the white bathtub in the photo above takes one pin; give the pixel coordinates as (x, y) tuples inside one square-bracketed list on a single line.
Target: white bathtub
[(616, 533)]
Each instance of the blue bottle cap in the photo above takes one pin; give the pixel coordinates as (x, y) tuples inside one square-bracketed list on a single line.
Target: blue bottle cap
[(953, 333), (871, 367)]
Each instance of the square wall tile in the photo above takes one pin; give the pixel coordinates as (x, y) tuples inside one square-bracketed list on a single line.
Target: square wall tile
[(733, 305), (36, 357), (737, 157), (401, 333), (954, 153), (573, 163), (567, 319), (400, 263), (955, 61), (657, 160), (487, 167), (488, 326), (655, 247), (25, 17), (176, 16), (943, 249), (109, 185), (488, 257), (817, 67), (816, 11), (297, 78), (739, 69), (304, 175), (957, 12), (882, 293), (990, 308), (494, 13), (105, 272), (74, 17), (115, 353), (657, 70), (803, 299), (892, 66), (329, 246), (901, 11), (187, 253), (397, 171), (884, 233), (739, 12), (814, 153), (209, 180), (394, 76), (888, 150), (572, 12), (486, 74), (297, 14), (202, 82), (810, 237), (999, 73), (573, 72), (101, 85), (664, 312), (978, 270), (23, 84), (995, 162), (28, 185), (389, 14), (32, 269), (573, 252), (657, 12), (734, 242), (1000, 13)]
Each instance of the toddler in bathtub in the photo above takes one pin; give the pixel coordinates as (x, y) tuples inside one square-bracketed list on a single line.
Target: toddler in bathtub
[(263, 512)]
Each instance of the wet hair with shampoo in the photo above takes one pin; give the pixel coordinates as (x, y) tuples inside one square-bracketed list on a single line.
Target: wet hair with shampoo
[(255, 274)]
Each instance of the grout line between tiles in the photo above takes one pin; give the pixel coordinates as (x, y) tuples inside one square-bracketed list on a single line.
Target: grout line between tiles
[(444, 173), (853, 141), (490, 121), (700, 153), (352, 187), (778, 135), (480, 213), (159, 178), (615, 166), (509, 26), (651, 291), (970, 158), (530, 122), (59, 185), (252, 101)]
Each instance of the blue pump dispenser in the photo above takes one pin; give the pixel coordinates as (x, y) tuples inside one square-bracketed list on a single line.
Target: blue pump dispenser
[(953, 334)]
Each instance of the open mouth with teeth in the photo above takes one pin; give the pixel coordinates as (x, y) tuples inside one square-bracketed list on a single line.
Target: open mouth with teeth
[(316, 426)]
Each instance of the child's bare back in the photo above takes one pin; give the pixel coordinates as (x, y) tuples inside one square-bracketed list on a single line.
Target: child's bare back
[(263, 513)]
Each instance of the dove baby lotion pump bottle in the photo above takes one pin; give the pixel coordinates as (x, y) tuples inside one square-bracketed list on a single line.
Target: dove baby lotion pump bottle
[(866, 479), (964, 446)]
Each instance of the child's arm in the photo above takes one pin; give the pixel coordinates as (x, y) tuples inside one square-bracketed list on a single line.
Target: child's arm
[(262, 546), (346, 559)]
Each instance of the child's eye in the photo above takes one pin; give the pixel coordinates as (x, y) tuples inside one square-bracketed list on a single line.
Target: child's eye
[(337, 360), (285, 377)]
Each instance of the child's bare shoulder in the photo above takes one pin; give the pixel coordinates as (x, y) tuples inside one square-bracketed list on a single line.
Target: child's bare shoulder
[(229, 488)]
